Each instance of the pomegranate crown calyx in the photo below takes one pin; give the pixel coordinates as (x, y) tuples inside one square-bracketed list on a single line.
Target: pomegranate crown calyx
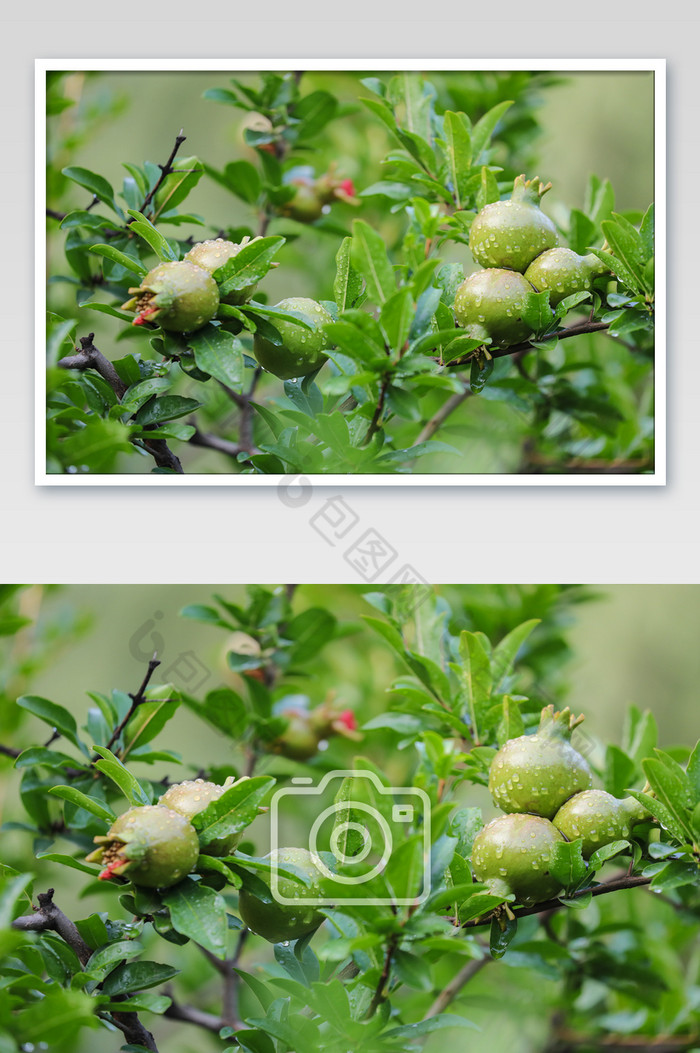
[(529, 191), (559, 723)]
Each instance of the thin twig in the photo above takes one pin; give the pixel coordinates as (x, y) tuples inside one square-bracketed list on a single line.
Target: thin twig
[(165, 171), (450, 992), (136, 701), (9, 751), (374, 423), (48, 917), (215, 442), (453, 402), (378, 996), (614, 885), (527, 345), (191, 1015), (89, 357)]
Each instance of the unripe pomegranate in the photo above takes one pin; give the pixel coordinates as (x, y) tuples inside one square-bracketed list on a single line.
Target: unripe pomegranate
[(152, 846), (213, 254), (299, 741), (191, 797), (306, 206), (512, 233), (598, 818), (489, 305), (279, 922), (537, 773), (563, 272), (178, 296), (513, 854), (302, 349)]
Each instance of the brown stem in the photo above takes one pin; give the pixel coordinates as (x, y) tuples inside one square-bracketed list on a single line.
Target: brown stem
[(526, 345), (450, 992), (165, 171), (47, 916), (191, 1015), (215, 442), (453, 402), (374, 423), (89, 357), (625, 881), (136, 701), (378, 996), (9, 751)]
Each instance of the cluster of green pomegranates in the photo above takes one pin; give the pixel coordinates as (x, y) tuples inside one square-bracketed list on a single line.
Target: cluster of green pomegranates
[(516, 244), (156, 845), (183, 295), (543, 785)]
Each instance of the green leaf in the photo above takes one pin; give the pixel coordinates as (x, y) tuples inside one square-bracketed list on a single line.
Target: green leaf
[(506, 651), (311, 631), (96, 184), (503, 929), (476, 674), (177, 185), (348, 283), (82, 800), (218, 353), (224, 710), (395, 319), (137, 976), (434, 1023), (537, 314), (145, 229), (54, 715), (200, 913), (233, 811), (484, 128), (135, 266), (105, 957), (169, 407), (459, 153), (567, 865), (149, 719), (249, 265), (115, 770), (369, 257)]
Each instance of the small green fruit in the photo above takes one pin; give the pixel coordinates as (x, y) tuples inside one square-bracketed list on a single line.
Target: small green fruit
[(598, 818), (306, 206), (563, 272), (213, 254), (301, 351), (537, 773), (191, 797), (178, 296), (489, 305), (152, 846), (278, 922), (512, 233), (513, 854)]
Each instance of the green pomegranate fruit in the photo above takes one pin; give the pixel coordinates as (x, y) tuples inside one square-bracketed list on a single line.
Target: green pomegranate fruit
[(537, 773), (489, 305), (512, 233), (299, 740), (306, 206), (178, 296), (598, 818), (152, 846), (563, 272), (213, 254), (279, 922), (301, 351), (191, 797), (512, 854)]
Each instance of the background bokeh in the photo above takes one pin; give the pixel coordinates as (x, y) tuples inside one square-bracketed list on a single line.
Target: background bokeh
[(627, 644)]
